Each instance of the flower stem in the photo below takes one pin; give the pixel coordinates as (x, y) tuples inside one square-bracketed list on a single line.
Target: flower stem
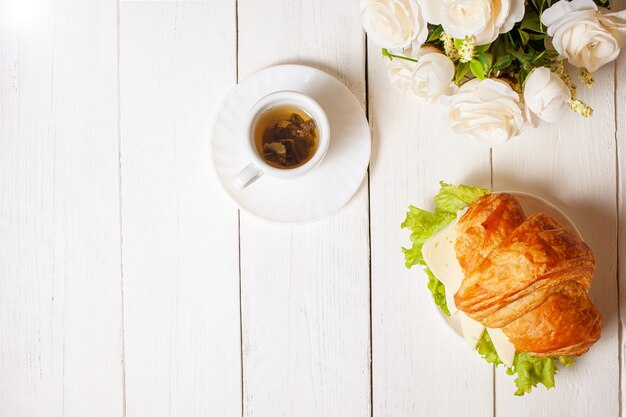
[(391, 56)]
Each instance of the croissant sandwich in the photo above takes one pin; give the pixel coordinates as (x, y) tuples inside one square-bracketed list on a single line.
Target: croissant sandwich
[(518, 285)]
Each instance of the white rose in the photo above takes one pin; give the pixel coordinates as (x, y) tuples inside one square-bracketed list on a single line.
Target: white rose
[(483, 19), (394, 24), (586, 35), (546, 96), (400, 72), (488, 111), (427, 79)]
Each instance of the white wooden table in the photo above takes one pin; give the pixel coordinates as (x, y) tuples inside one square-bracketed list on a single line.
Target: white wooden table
[(131, 286)]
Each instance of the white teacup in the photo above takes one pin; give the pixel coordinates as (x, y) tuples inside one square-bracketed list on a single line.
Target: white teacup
[(257, 167)]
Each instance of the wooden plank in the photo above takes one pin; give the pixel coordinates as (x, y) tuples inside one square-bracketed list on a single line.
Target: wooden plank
[(59, 211), (31, 352), (180, 248), (419, 365), (572, 164), (87, 213), (620, 137), (306, 320)]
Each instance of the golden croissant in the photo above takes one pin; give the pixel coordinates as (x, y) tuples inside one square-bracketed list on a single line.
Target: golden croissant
[(528, 276)]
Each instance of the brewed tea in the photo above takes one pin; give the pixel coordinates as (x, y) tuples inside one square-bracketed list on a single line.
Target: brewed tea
[(286, 137)]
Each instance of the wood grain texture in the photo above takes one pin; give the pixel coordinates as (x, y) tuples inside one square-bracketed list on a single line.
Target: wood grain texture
[(306, 318), (31, 358), (420, 367), (60, 280), (620, 139), (74, 342), (572, 164), (180, 249)]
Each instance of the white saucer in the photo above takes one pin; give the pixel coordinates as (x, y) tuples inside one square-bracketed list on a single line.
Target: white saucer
[(319, 192), (530, 204)]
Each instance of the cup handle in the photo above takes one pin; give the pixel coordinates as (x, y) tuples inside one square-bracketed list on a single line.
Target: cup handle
[(247, 176)]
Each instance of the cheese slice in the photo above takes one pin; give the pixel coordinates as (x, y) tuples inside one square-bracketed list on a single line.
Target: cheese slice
[(472, 330), (440, 256), (504, 347)]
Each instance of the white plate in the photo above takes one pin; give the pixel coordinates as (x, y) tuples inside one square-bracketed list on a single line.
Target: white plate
[(531, 204), (319, 192)]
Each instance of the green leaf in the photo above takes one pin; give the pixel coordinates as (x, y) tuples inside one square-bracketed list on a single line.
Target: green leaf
[(545, 57), (530, 370), (452, 198), (566, 361), (482, 48), (423, 224), (520, 56), (438, 290), (477, 69), (499, 46), (542, 7), (503, 62), (523, 73), (511, 40), (435, 35), (537, 36), (531, 22), (461, 69), (486, 60), (550, 54), (487, 350), (458, 43), (533, 370), (523, 36)]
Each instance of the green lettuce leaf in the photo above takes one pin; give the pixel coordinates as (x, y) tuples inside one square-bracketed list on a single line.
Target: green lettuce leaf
[(438, 290), (452, 198), (530, 370), (487, 350), (534, 370), (423, 224)]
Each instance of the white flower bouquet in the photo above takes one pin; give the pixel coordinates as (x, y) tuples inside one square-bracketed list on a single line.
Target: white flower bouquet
[(497, 64)]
